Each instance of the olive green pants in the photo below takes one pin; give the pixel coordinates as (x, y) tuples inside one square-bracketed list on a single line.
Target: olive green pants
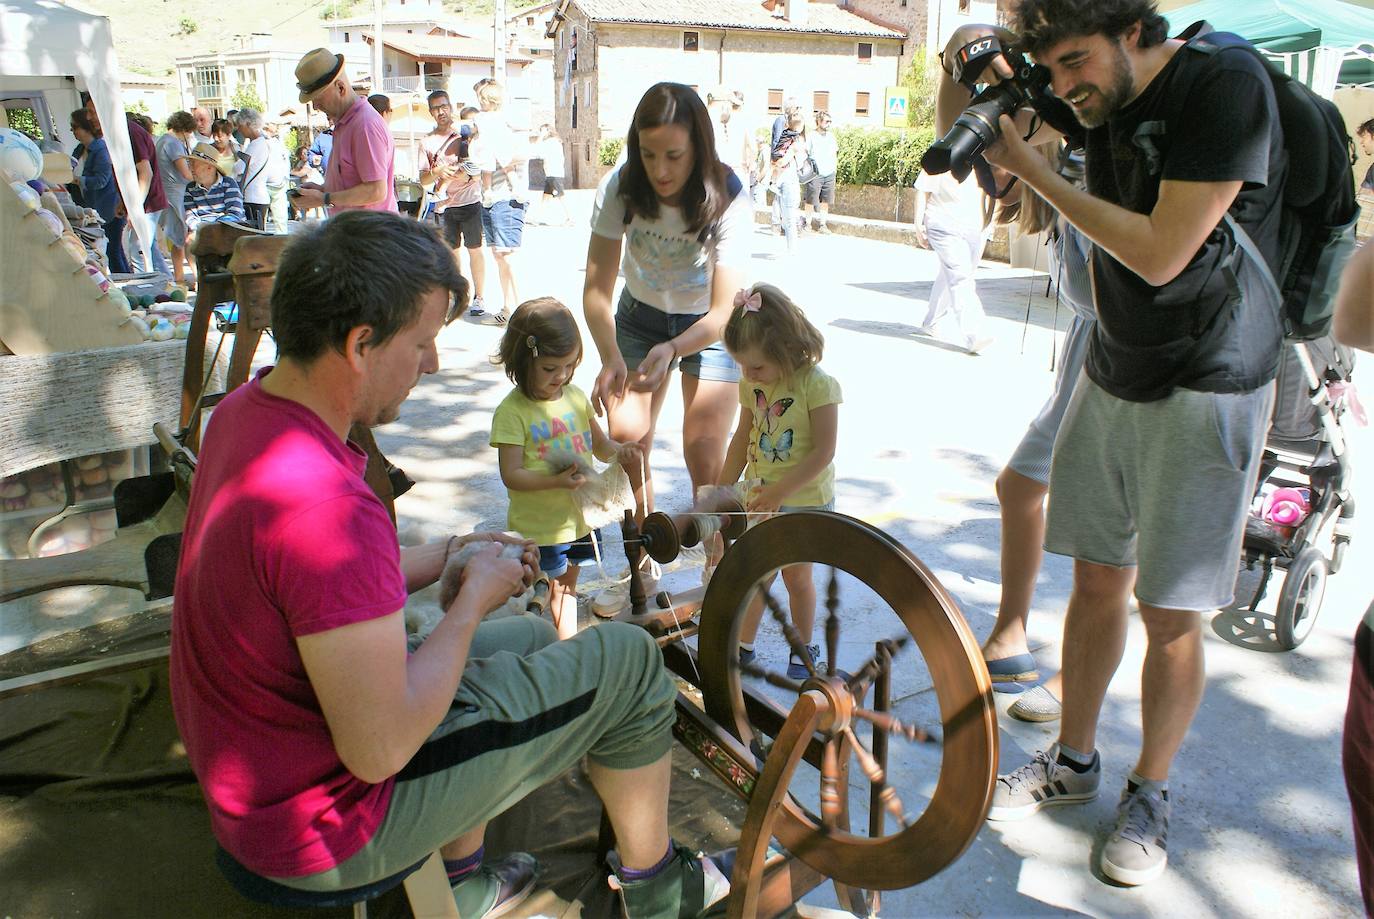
[(529, 707)]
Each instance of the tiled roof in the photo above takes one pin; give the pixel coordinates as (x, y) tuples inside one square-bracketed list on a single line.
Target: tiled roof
[(734, 14)]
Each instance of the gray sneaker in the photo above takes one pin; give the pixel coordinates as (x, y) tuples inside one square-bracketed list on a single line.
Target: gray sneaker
[(1041, 783), (1137, 850)]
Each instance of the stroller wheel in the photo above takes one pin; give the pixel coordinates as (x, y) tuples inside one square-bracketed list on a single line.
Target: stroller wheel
[(1301, 598)]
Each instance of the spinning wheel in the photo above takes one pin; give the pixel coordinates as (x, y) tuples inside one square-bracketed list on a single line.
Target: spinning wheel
[(821, 727)]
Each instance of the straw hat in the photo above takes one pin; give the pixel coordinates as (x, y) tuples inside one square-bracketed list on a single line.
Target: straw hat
[(208, 153), (316, 71)]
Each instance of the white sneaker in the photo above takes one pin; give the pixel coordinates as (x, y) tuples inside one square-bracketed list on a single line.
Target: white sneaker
[(976, 345)]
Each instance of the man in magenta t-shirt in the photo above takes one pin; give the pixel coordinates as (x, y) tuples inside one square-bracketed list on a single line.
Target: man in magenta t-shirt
[(361, 170), (332, 750)]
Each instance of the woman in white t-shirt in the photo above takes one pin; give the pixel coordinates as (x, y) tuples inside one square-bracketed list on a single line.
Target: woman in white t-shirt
[(256, 170), (550, 148), (682, 222), (951, 219)]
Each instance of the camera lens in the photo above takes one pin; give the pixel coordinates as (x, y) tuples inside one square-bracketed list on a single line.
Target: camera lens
[(975, 128)]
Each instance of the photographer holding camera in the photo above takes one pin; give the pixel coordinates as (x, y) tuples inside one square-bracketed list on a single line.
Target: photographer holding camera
[(1158, 454)]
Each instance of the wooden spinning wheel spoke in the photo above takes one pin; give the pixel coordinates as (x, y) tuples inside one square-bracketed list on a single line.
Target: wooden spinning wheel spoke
[(888, 723), (878, 777), (832, 623), (789, 631), (865, 675), (771, 678), (832, 806)]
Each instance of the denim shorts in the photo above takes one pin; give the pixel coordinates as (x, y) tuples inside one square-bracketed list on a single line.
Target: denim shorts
[(793, 508), (639, 326), (553, 560), (503, 224)]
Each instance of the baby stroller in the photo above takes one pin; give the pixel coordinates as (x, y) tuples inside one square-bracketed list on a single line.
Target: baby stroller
[(1302, 502)]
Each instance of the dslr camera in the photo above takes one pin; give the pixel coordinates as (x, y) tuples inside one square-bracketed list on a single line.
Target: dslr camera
[(977, 127)]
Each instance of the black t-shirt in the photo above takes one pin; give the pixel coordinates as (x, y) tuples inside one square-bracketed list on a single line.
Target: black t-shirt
[(1204, 118)]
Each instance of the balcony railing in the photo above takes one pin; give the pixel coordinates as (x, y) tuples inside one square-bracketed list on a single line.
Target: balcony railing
[(414, 84)]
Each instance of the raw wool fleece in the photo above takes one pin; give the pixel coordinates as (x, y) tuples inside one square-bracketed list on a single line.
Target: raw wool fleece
[(606, 495), (421, 621)]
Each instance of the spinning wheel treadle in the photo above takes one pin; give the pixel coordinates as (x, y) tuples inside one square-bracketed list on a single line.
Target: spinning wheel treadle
[(929, 619)]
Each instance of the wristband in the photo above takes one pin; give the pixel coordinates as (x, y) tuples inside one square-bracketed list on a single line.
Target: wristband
[(326, 199), (448, 550)]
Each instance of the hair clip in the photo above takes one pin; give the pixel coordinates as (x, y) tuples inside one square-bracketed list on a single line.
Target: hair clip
[(752, 303), (532, 344)]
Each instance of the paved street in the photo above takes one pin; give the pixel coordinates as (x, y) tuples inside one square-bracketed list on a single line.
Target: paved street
[(1261, 822)]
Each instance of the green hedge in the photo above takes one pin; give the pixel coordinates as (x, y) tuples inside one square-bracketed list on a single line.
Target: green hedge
[(881, 156), (609, 150)]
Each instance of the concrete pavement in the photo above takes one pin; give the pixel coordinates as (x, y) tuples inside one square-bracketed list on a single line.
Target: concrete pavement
[(1261, 822)]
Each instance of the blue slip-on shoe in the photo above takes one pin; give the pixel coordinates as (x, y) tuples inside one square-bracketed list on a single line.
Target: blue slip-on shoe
[(1019, 668)]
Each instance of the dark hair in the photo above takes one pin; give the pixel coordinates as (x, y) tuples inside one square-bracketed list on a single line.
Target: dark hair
[(221, 126), (1366, 128), (539, 327), (357, 268), (704, 198), (183, 122), (81, 119), (380, 102), (437, 94), (778, 328), (1041, 24), (231, 113)]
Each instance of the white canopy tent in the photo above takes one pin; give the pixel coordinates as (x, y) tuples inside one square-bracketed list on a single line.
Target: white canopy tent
[(43, 38)]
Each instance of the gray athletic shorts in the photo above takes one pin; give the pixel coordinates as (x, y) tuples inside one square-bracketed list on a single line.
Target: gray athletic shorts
[(1163, 486), (1031, 458)]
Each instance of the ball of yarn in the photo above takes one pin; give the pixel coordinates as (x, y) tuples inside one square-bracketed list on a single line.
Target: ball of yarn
[(99, 277), (49, 220), (119, 299), (74, 248), (19, 156), (27, 196)]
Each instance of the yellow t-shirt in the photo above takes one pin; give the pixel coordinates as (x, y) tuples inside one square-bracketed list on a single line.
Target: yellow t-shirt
[(781, 434), (548, 516)]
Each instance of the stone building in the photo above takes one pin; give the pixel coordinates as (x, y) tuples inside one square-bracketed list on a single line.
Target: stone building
[(608, 52)]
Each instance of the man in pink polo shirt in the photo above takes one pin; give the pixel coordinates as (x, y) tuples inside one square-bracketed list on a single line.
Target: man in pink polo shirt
[(361, 166)]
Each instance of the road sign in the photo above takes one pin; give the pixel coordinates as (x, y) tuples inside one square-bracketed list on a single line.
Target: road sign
[(895, 107)]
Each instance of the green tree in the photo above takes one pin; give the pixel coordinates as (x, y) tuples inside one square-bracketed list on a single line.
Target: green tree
[(922, 78), (25, 120), (246, 96), (186, 25)]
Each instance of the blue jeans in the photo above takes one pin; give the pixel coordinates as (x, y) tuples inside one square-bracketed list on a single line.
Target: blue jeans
[(114, 245), (160, 264), (639, 326)]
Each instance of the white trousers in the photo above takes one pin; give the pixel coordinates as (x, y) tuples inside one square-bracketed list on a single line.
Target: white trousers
[(959, 249)]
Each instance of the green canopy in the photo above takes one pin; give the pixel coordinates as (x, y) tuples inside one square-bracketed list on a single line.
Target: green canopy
[(1286, 26)]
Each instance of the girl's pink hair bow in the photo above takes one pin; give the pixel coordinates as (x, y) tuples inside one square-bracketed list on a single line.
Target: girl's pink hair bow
[(752, 303)]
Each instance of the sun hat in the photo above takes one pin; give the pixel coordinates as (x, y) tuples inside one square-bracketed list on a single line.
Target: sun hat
[(208, 153), (316, 71)]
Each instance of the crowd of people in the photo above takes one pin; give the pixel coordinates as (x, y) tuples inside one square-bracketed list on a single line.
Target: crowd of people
[(335, 751)]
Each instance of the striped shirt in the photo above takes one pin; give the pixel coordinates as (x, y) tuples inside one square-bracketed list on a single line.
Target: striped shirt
[(220, 203)]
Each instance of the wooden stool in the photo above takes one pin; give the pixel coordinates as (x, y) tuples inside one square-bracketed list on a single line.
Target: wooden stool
[(425, 882)]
